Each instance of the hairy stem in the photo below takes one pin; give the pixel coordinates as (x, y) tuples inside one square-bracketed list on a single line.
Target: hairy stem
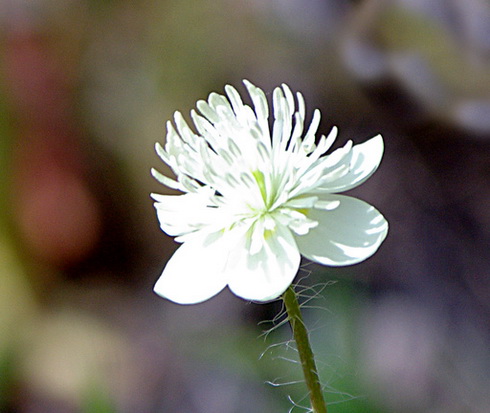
[(306, 357)]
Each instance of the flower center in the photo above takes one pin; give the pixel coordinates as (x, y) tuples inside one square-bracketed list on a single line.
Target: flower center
[(260, 179)]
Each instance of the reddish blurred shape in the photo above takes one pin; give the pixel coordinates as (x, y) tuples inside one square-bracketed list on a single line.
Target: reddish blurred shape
[(58, 217)]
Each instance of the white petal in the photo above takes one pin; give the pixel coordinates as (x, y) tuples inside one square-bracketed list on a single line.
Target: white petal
[(267, 274), (366, 158), (180, 214), (309, 139), (346, 235), (260, 105), (301, 202), (195, 272), (165, 180)]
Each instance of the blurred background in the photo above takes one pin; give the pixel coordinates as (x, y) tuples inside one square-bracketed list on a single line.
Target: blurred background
[(85, 89)]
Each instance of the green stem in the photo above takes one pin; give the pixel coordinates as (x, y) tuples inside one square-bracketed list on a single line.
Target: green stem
[(306, 357)]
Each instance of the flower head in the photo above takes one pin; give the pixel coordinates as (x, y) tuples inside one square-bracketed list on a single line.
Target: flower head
[(253, 199)]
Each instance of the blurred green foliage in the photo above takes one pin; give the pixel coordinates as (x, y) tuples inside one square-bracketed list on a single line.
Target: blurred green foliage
[(7, 377), (404, 31), (96, 400)]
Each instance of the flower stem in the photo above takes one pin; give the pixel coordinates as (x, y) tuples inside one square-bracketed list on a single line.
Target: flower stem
[(306, 357)]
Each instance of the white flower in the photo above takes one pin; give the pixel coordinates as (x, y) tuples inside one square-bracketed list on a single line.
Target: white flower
[(254, 200)]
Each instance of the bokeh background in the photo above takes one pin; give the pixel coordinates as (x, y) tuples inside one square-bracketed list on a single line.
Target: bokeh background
[(85, 89)]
